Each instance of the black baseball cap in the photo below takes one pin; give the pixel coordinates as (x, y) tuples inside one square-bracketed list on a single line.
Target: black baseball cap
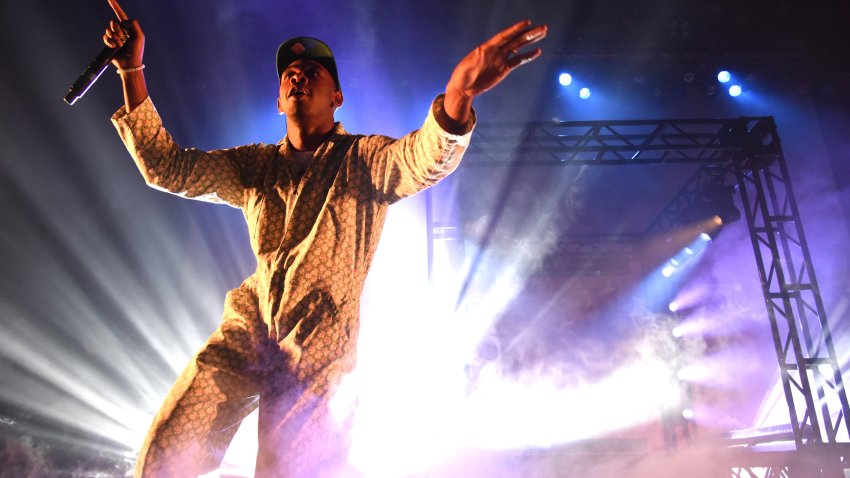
[(306, 47)]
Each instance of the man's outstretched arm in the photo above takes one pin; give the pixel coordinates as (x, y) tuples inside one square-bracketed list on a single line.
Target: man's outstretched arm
[(422, 158), (485, 67)]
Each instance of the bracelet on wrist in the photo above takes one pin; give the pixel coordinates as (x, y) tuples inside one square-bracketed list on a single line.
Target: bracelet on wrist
[(130, 70)]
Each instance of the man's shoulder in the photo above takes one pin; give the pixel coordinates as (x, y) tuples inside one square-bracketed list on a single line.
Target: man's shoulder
[(255, 149), (360, 139), (339, 133)]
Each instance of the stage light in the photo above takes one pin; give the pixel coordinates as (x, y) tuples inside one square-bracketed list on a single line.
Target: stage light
[(565, 79), (673, 307), (735, 90), (712, 207), (688, 414), (717, 203), (681, 261), (724, 76), (690, 327), (584, 93)]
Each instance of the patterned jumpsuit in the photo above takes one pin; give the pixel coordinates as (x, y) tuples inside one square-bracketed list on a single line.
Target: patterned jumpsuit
[(289, 331)]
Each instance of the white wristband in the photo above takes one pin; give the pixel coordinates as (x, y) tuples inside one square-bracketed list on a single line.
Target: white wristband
[(130, 70)]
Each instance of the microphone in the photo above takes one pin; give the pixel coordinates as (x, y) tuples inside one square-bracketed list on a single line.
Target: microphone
[(91, 74)]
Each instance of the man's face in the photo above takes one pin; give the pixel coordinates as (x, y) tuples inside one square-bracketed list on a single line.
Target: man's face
[(308, 91)]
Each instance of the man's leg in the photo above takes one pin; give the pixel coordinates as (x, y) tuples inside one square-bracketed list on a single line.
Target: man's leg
[(299, 436), (214, 393)]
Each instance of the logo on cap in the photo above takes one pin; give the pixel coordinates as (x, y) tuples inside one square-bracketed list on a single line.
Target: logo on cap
[(298, 48)]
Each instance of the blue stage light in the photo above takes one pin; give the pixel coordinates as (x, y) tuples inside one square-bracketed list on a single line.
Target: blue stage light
[(724, 76), (565, 79), (584, 93), (735, 90)]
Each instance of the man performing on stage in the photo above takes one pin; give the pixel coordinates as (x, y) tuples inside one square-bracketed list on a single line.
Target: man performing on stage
[(315, 204)]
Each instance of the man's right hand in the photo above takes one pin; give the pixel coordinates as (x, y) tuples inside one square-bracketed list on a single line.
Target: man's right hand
[(127, 35)]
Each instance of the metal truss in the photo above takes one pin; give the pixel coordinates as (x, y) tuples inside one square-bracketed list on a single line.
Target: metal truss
[(592, 254), (808, 363), (745, 463), (746, 153), (761, 472), (602, 142), (627, 142), (686, 205)]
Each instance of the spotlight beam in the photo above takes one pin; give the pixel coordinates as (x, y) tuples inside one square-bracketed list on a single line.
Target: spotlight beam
[(498, 211)]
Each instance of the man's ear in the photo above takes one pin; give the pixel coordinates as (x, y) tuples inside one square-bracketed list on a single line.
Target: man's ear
[(337, 99), (279, 106)]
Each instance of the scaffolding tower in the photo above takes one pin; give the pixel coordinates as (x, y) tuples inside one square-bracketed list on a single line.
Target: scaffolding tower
[(740, 154)]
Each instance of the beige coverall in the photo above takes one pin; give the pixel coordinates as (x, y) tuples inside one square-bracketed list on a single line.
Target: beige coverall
[(289, 331)]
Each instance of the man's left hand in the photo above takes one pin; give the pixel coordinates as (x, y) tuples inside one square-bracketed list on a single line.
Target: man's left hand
[(487, 65)]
